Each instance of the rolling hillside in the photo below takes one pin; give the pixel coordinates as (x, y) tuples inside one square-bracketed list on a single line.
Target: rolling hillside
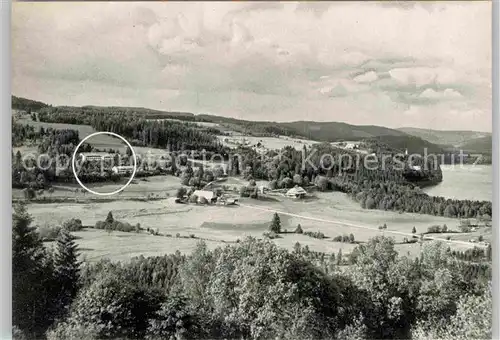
[(318, 131), (414, 145), (334, 131), (478, 145), (453, 138)]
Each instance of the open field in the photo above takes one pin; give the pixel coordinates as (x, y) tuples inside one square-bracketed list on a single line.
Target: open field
[(217, 222), (140, 187), (97, 244), (236, 222)]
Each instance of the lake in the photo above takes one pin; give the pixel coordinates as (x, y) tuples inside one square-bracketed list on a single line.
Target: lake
[(474, 182)]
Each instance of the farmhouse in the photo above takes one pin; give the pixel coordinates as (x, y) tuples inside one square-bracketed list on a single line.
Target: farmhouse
[(209, 195), (296, 192)]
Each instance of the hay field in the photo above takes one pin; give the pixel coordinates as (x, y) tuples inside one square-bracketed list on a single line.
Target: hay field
[(236, 222), (97, 244)]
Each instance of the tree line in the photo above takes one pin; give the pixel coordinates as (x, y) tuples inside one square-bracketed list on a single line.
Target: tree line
[(167, 134)]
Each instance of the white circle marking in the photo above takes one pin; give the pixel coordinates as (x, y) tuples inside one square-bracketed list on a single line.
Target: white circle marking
[(104, 133)]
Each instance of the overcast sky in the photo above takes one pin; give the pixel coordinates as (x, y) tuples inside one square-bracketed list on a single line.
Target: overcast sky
[(394, 65)]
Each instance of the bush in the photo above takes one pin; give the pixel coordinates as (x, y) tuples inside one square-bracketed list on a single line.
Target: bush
[(271, 235), (317, 234), (344, 238), (181, 192), (100, 225), (48, 233), (73, 224), (435, 229)]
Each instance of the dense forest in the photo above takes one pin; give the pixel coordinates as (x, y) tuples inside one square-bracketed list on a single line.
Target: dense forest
[(171, 135), (250, 290)]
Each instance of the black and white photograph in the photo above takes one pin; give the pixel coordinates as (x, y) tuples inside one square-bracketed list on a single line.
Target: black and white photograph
[(252, 170)]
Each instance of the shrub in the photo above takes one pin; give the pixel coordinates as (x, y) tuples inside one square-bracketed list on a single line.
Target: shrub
[(181, 192), (271, 235), (73, 224), (48, 233), (317, 234), (100, 225), (434, 229)]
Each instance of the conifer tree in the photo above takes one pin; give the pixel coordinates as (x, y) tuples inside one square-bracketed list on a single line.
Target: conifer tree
[(109, 218), (32, 277), (67, 268), (275, 224)]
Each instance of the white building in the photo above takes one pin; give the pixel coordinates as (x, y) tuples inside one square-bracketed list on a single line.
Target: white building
[(95, 156), (209, 195), (123, 170), (296, 192)]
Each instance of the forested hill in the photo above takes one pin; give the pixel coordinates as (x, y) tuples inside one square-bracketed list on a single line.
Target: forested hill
[(318, 131), (26, 104), (334, 131), (414, 145), (478, 145)]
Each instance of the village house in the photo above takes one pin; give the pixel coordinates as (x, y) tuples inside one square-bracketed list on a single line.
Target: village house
[(296, 192)]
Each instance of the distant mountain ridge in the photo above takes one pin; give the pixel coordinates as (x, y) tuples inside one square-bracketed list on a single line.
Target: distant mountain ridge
[(318, 131), (452, 138)]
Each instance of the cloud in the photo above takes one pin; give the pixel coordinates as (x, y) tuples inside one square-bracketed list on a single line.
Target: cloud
[(432, 94), (367, 77), (260, 60)]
